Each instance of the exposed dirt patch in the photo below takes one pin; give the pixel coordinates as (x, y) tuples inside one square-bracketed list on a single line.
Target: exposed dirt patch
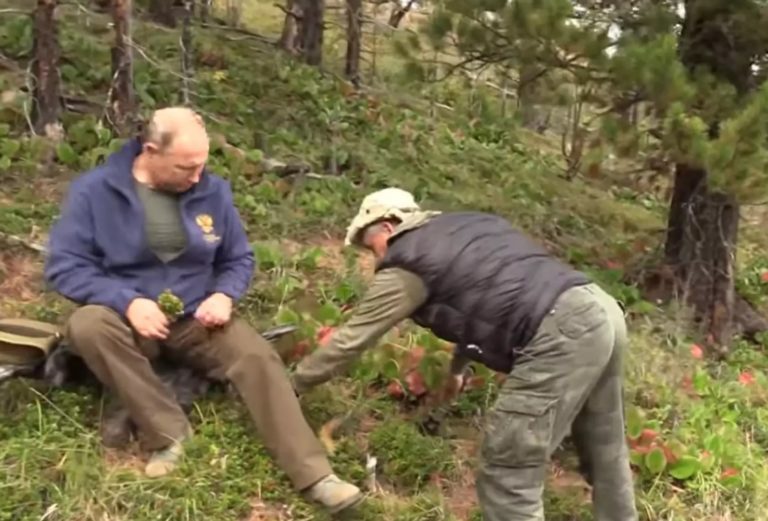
[(130, 458), (49, 185), (20, 275), (52, 188), (569, 482), (261, 511), (333, 255), (334, 249), (460, 495)]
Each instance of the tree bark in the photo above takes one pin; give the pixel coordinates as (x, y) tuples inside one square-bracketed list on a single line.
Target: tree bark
[(162, 12), (122, 103), (399, 12), (688, 181), (186, 51), (708, 250), (45, 70), (311, 31), (234, 12), (289, 37), (205, 10), (354, 41)]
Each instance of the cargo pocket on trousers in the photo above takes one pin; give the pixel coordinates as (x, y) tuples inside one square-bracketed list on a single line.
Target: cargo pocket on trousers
[(519, 430), (576, 321)]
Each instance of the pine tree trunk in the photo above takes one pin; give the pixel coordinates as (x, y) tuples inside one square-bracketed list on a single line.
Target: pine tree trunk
[(289, 37), (45, 70), (186, 51), (688, 181), (161, 11), (354, 26), (121, 98), (708, 250), (311, 31), (205, 10), (234, 12), (399, 12)]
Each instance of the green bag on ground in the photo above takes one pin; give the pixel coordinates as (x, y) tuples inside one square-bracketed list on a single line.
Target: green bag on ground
[(25, 344)]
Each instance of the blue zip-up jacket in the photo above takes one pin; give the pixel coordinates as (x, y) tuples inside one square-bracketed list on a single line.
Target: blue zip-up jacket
[(98, 252)]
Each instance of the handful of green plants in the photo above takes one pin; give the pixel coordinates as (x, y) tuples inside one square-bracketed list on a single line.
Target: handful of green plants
[(170, 304)]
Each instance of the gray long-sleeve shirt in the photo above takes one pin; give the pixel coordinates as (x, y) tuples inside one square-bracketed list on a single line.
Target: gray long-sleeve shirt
[(392, 297)]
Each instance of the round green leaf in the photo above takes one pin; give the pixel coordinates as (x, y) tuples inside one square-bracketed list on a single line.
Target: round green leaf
[(635, 423), (655, 461), (684, 468), (714, 444), (636, 458), (66, 154), (328, 313), (9, 147)]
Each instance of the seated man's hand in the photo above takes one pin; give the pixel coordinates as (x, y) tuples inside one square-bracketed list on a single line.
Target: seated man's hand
[(146, 317), (214, 311)]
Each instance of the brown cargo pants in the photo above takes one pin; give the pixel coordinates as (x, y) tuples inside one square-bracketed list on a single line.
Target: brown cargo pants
[(120, 358), (569, 377)]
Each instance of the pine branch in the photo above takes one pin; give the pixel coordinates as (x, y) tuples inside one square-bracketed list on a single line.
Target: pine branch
[(239, 30), (293, 15), (15, 11)]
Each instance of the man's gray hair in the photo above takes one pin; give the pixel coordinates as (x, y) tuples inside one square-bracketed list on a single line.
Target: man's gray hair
[(377, 227)]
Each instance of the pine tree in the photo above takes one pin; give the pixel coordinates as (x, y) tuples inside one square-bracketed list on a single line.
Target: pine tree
[(122, 100), (697, 72), (46, 110)]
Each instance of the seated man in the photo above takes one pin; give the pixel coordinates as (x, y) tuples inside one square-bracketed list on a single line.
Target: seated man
[(153, 218), (474, 280)]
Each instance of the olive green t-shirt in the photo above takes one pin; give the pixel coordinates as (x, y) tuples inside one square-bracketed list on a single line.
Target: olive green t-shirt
[(163, 224)]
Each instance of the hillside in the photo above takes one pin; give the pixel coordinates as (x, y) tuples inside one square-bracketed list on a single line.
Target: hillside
[(710, 418)]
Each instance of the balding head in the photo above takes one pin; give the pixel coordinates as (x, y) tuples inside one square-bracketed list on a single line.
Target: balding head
[(175, 149), (165, 125)]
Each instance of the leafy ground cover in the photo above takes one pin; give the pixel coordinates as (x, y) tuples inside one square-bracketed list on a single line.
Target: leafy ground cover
[(697, 428)]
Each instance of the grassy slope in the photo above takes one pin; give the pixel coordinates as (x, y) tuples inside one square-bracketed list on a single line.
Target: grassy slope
[(51, 455)]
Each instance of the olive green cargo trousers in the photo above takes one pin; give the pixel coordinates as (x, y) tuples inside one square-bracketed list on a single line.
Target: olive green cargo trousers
[(569, 377), (236, 352)]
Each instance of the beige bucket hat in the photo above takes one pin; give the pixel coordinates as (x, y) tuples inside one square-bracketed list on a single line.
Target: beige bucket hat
[(382, 204)]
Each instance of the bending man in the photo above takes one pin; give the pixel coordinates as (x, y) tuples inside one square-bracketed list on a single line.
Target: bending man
[(475, 281)]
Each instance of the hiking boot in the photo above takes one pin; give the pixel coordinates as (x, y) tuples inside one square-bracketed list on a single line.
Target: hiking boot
[(334, 494), (163, 462)]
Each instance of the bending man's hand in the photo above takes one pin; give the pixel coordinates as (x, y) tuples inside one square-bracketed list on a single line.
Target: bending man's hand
[(452, 387), (214, 311), (146, 317)]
